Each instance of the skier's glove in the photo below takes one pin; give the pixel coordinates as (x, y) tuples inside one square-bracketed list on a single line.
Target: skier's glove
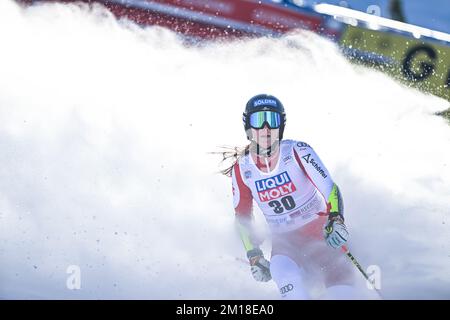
[(334, 231), (259, 266)]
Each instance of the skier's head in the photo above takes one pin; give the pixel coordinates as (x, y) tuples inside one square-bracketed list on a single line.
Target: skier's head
[(264, 120)]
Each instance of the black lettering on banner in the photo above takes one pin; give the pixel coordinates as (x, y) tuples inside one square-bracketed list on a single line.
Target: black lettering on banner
[(426, 68), (448, 80), (287, 203)]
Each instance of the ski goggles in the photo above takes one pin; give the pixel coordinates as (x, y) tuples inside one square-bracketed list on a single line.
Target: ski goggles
[(259, 118)]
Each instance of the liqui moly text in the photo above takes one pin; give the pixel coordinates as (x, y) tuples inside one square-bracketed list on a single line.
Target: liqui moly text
[(274, 187)]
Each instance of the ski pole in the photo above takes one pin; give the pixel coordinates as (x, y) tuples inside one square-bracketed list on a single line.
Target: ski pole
[(356, 263)]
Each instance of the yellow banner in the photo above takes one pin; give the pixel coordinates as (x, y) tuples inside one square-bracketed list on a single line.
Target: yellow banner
[(423, 63)]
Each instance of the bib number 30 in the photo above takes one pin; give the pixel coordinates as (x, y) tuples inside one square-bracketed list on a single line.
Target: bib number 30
[(285, 203)]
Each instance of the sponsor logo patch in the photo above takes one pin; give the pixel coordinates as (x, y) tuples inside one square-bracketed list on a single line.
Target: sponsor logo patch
[(286, 288), (306, 210), (303, 145), (261, 102), (247, 174), (312, 162), (286, 159), (274, 187)]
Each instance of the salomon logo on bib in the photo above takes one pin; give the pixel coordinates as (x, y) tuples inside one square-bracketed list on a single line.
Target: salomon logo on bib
[(265, 102), (274, 187)]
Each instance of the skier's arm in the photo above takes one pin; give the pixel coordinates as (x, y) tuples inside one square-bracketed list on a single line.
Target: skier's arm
[(245, 232), (259, 266), (334, 231), (319, 175), (335, 203), (243, 205)]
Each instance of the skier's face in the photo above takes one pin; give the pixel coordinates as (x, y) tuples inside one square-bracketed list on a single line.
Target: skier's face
[(265, 136)]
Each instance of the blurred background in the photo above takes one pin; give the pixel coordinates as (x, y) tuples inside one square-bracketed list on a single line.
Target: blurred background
[(407, 39), (432, 14), (109, 112)]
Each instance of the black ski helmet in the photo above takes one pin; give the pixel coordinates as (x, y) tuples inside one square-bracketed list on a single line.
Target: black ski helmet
[(263, 102)]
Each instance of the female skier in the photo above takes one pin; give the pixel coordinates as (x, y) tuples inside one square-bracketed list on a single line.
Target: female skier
[(301, 203)]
